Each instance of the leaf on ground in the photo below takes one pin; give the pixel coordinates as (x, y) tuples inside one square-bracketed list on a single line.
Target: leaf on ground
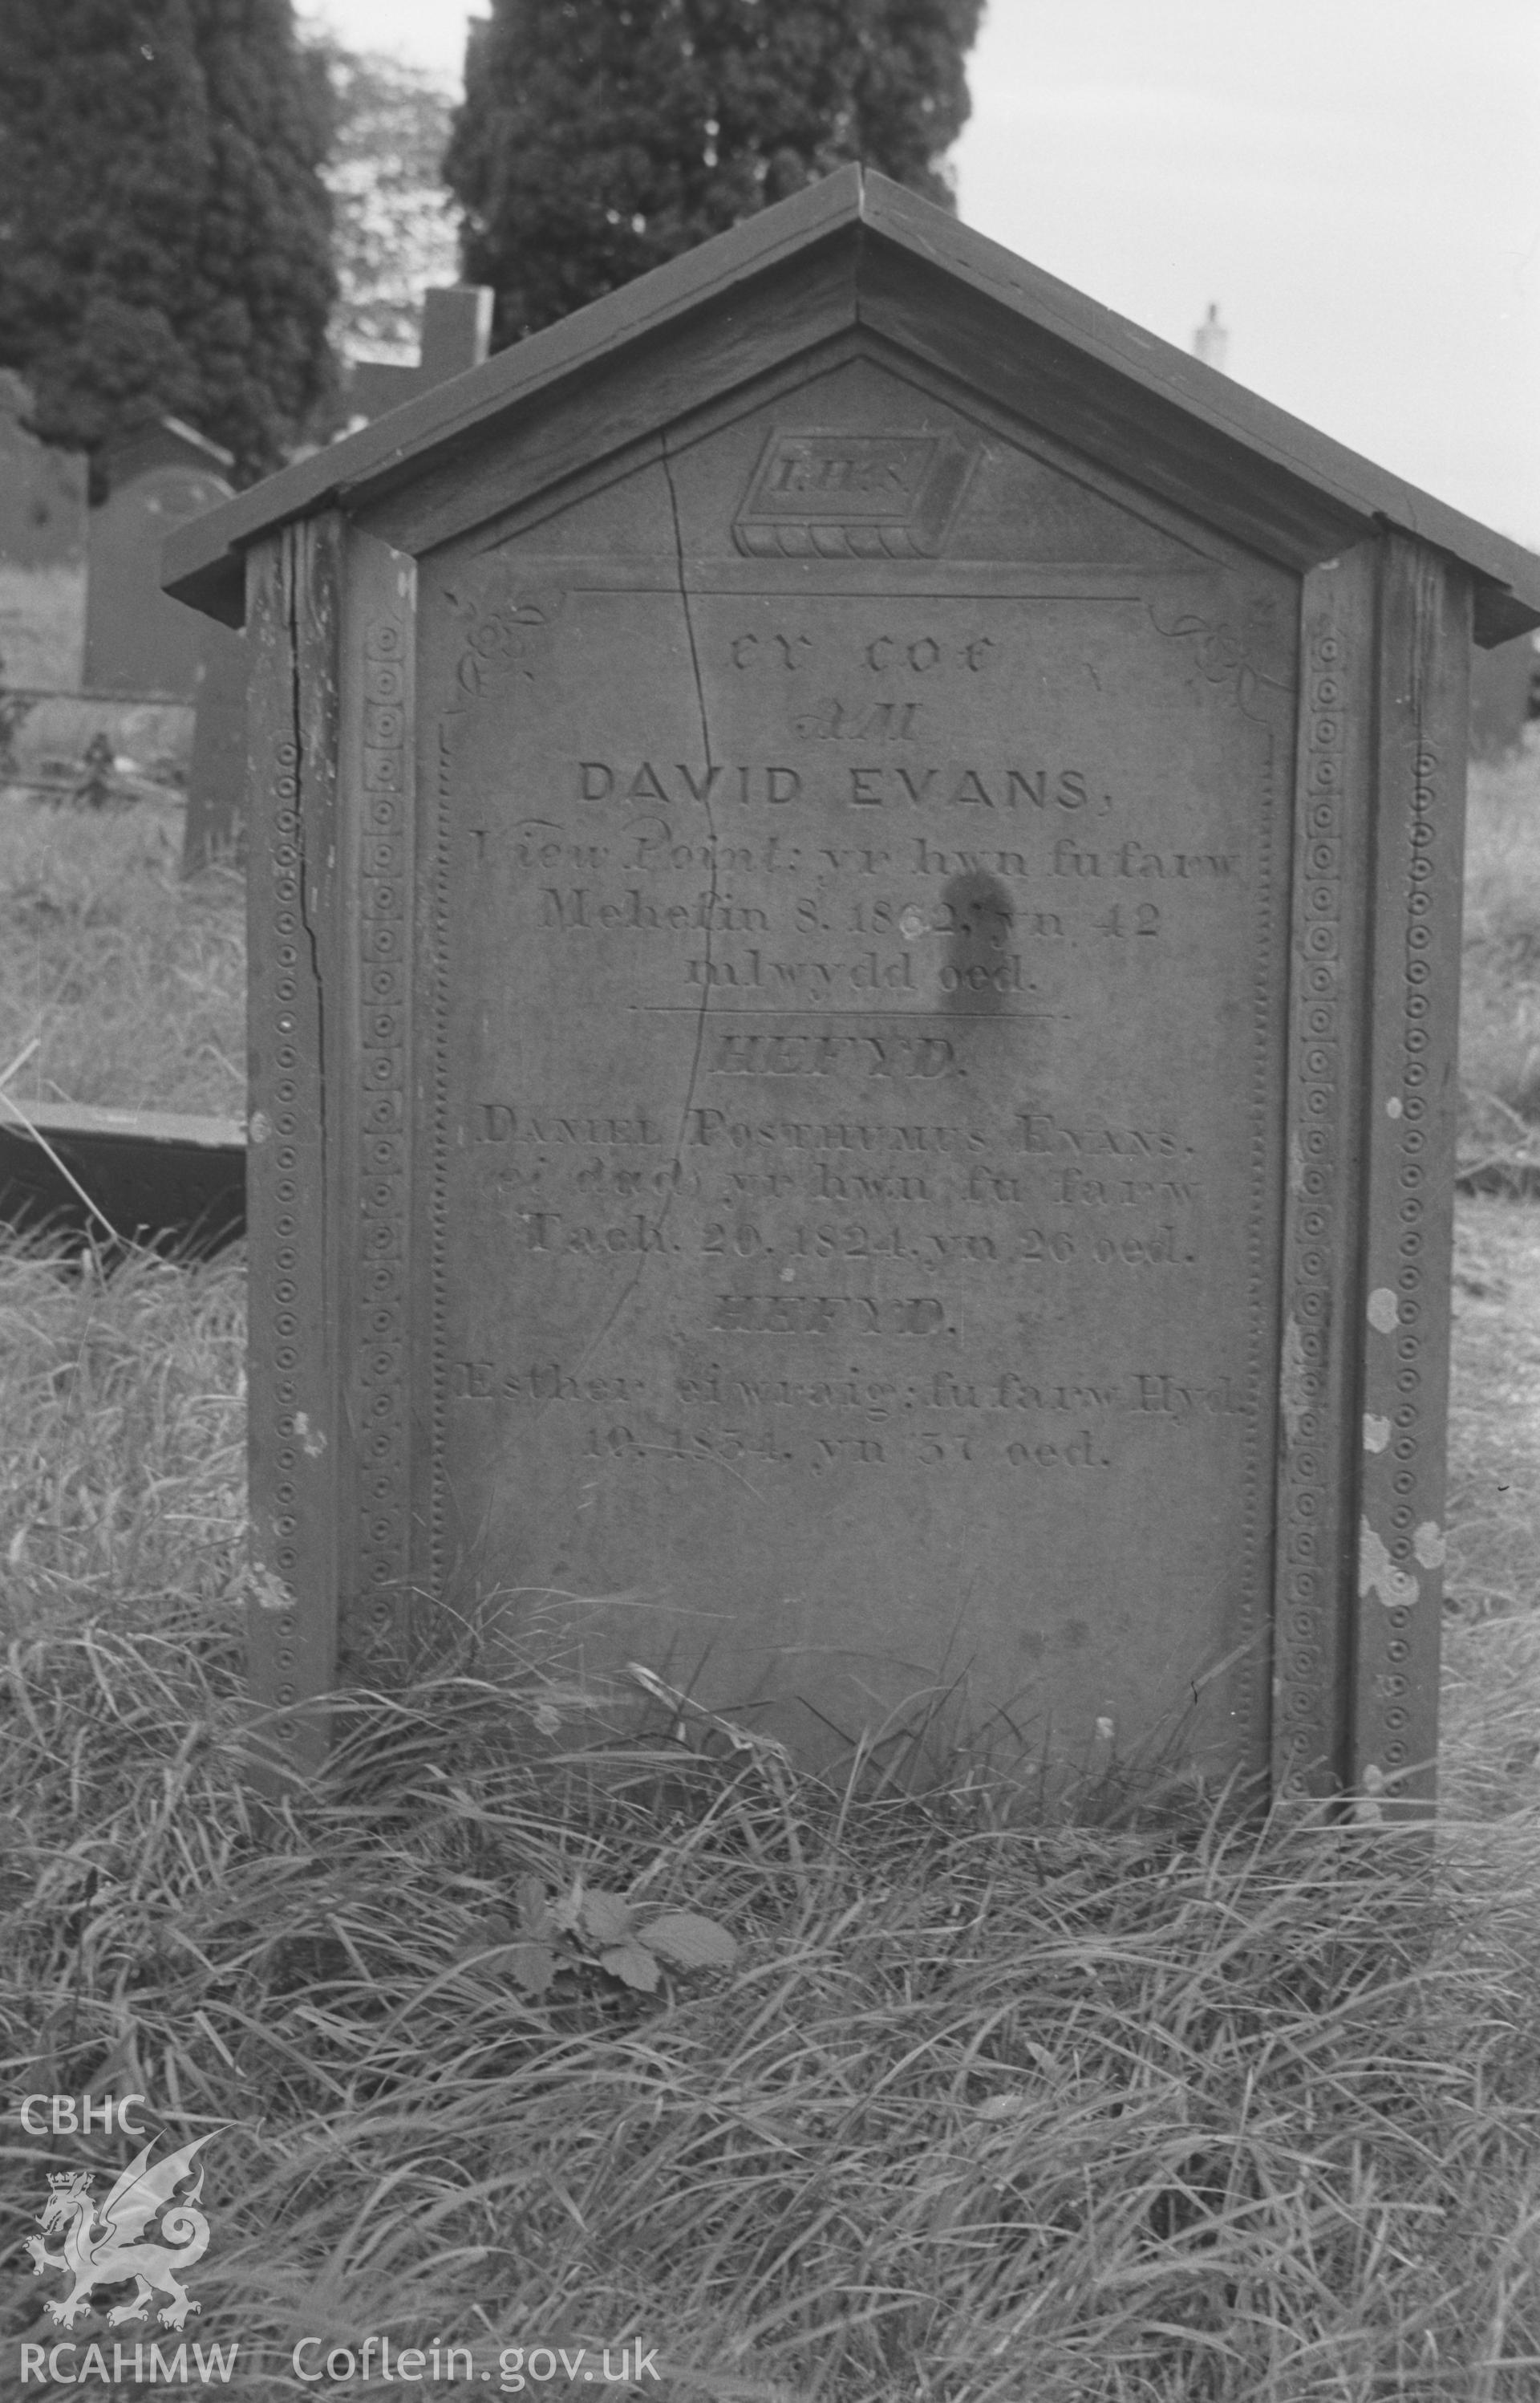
[(632, 1963), (492, 1931), (531, 1967), (567, 1911), (606, 1917), (689, 1940), (534, 1916)]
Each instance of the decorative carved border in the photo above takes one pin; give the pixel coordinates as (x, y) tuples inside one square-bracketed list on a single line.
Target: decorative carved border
[(1308, 1601), (1222, 658), (1425, 607), (505, 628), (1415, 1548), (380, 1362), (437, 1565), (1251, 693), (293, 1451), (279, 1126)]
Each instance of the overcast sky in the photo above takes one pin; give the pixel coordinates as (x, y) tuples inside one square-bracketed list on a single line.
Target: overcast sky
[(1355, 182)]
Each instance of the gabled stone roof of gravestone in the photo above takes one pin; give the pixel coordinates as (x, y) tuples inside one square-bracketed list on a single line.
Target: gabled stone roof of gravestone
[(856, 250)]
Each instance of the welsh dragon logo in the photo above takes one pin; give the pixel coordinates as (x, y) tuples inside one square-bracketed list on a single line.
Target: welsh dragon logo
[(104, 2245)]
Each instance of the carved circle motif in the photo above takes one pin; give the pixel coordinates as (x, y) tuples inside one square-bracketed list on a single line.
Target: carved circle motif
[(504, 634), (1255, 695), (1316, 1070), (379, 1367), (286, 902), (1414, 1043), (1385, 1739), (1220, 653)]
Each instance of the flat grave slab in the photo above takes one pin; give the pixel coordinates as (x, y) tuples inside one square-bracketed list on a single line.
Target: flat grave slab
[(88, 1176)]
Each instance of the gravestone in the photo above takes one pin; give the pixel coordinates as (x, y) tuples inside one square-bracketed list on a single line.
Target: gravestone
[(140, 643), (456, 332), (854, 939), (1504, 698), (137, 641), (214, 828)]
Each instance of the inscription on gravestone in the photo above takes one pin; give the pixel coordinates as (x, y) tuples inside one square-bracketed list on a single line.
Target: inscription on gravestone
[(858, 1068)]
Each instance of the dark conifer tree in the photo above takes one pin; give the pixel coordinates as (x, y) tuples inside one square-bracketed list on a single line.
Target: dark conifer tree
[(163, 225), (600, 137)]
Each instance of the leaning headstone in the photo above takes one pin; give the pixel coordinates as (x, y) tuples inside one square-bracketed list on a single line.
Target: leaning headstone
[(42, 554), (854, 938)]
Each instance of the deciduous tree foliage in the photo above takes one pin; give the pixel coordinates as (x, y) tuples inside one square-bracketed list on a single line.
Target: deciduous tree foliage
[(163, 225), (600, 137), (394, 229)]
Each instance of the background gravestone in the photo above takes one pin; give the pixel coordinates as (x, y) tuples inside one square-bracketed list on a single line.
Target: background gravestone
[(456, 332), (137, 641), (54, 737), (1504, 698), (215, 824), (854, 940), (140, 643)]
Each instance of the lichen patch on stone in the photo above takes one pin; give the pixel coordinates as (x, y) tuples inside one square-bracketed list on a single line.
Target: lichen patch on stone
[(259, 1585), (1384, 1311), (1428, 1543), (1379, 1574), (1292, 1383), (315, 1443), (1297, 1165)]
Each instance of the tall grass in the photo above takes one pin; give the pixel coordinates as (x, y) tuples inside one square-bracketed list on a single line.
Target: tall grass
[(1195, 2109), (1196, 2113), (1500, 993), (122, 1438), (1493, 1510), (130, 984)]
